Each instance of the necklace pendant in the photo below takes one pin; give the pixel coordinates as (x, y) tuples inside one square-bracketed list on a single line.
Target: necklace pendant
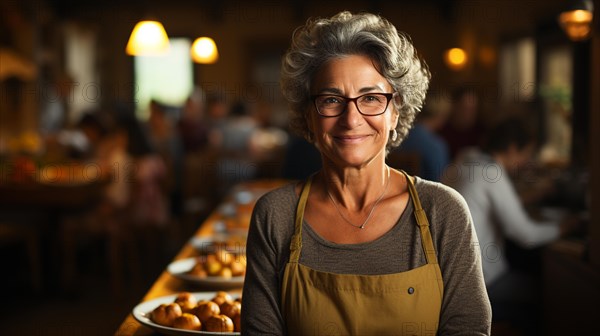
[(362, 226)]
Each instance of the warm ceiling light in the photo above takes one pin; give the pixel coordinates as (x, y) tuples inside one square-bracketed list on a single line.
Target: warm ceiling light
[(204, 50), (148, 38), (455, 58), (577, 20)]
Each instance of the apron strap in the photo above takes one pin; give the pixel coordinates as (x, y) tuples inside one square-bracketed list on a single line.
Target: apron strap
[(422, 221), (296, 243)]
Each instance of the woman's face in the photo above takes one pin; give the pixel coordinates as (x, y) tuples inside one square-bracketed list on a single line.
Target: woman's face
[(351, 139)]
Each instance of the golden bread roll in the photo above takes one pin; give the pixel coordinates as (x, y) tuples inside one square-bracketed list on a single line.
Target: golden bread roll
[(187, 301), (212, 266), (221, 297), (198, 270), (165, 314), (237, 269), (226, 273), (218, 323), (204, 310), (188, 322), (225, 258), (230, 308)]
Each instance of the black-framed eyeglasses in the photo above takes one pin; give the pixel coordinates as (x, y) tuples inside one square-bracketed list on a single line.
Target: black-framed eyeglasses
[(369, 104)]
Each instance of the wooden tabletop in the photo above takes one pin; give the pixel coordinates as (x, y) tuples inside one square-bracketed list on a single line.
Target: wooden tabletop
[(166, 284)]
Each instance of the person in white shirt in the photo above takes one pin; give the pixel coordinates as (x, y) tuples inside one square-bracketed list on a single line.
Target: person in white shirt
[(482, 177)]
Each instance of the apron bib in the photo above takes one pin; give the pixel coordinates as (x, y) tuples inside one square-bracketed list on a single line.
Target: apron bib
[(323, 303)]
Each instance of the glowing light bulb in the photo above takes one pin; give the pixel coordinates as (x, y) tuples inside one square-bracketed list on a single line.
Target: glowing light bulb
[(456, 58), (204, 50)]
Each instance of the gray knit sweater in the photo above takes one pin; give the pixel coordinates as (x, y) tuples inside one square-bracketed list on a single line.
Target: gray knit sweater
[(465, 307)]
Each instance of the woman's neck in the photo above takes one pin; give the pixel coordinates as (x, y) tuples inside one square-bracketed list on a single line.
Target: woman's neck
[(355, 188)]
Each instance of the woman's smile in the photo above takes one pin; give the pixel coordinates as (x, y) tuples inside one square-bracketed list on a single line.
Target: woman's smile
[(351, 139)]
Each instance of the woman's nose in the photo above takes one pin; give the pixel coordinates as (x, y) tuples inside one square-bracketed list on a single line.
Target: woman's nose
[(351, 115)]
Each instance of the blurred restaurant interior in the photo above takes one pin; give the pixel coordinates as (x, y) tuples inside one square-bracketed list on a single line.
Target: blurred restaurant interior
[(112, 159)]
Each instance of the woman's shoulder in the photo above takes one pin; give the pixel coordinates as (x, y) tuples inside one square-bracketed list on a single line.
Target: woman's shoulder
[(441, 198), (273, 216), (427, 188), (278, 197), (447, 211)]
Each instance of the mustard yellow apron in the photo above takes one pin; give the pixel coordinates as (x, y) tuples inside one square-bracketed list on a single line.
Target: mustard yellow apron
[(322, 303)]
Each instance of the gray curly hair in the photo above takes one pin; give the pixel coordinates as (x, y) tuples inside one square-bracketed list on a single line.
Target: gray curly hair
[(321, 40)]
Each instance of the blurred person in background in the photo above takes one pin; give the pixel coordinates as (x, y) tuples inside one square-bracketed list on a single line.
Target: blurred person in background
[(148, 174), (217, 109), (150, 215), (234, 140), (191, 125), (464, 127), (166, 141), (238, 129), (82, 141), (427, 144), (483, 178)]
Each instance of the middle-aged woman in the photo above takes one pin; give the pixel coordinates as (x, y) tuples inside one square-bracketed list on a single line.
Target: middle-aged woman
[(360, 248)]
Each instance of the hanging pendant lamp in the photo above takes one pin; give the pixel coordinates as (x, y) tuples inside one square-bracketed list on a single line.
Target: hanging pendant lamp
[(576, 20), (148, 38), (204, 51)]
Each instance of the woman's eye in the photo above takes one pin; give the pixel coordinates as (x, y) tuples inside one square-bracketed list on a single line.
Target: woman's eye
[(332, 100), (370, 99)]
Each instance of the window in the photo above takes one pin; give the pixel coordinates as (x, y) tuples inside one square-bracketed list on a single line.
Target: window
[(167, 79), (556, 92), (517, 71)]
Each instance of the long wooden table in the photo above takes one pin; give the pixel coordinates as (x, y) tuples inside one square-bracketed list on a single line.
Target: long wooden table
[(166, 284)]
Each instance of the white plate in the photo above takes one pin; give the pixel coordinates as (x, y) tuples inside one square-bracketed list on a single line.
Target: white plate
[(142, 311), (180, 269), (205, 245)]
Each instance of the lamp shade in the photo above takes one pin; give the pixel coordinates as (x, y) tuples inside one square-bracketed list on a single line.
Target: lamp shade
[(204, 51), (576, 21), (148, 38)]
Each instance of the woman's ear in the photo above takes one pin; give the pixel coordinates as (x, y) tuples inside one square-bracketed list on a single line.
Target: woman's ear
[(395, 116), (397, 101)]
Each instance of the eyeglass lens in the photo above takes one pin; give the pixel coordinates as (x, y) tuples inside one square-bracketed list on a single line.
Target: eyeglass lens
[(368, 104)]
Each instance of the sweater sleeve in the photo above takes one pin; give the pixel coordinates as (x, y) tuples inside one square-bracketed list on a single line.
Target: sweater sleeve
[(515, 222), (466, 308), (261, 314)]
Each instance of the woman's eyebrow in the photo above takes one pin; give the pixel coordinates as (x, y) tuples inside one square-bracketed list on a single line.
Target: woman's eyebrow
[(331, 90), (372, 88), (366, 89)]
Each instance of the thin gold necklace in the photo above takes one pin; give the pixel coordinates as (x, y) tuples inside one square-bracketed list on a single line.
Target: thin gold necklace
[(362, 226)]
